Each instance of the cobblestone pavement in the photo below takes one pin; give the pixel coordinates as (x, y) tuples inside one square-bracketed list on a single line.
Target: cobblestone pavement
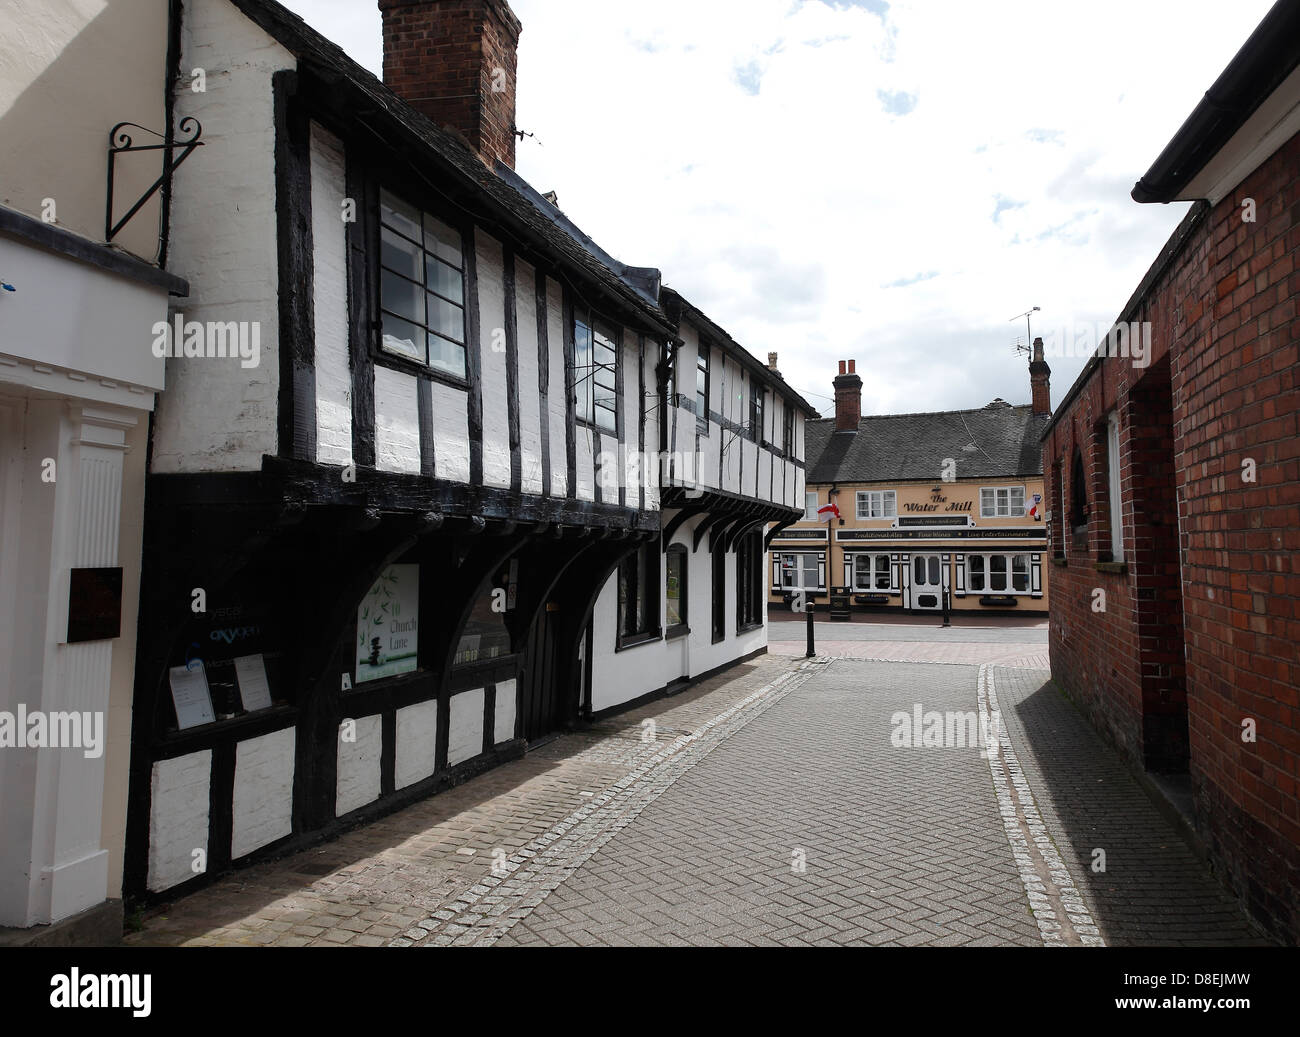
[(767, 806), (1005, 641)]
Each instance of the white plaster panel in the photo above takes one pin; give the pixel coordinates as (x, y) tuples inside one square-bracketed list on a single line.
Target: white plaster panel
[(504, 726), (530, 397), (263, 800), (556, 399), (329, 241), (585, 463), (178, 818), (496, 390), (397, 422), (417, 743), (450, 432), (358, 780), (465, 730)]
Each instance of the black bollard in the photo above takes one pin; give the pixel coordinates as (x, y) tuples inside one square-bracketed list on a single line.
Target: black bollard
[(946, 623), (808, 611)]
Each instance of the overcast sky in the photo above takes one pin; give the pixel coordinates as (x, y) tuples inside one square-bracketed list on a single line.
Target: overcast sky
[(890, 182)]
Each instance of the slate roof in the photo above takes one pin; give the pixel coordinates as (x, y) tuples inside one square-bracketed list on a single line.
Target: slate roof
[(902, 447), (372, 104)]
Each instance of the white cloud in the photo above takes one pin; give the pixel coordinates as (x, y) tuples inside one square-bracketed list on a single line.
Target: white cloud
[(791, 165)]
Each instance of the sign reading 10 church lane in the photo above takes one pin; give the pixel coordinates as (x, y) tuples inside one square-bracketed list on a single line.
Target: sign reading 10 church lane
[(388, 623)]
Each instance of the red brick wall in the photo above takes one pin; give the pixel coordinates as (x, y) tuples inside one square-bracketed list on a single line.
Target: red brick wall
[(1235, 383), (1208, 613), (443, 56)]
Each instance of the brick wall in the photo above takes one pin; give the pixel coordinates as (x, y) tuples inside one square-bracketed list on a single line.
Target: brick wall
[(1205, 620), (455, 61)]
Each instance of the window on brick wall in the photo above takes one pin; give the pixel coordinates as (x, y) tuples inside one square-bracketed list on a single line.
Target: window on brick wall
[(1078, 495), (1115, 504), (422, 287)]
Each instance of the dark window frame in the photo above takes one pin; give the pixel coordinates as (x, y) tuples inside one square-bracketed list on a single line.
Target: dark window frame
[(703, 366), (751, 598), (645, 589), (757, 410), (787, 430), (402, 361), (678, 553), (586, 376), (718, 564)]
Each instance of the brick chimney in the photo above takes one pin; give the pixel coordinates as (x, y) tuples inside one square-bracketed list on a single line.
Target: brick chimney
[(1040, 380), (455, 61), (848, 398)]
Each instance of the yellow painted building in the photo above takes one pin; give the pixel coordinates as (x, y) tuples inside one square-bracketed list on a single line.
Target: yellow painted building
[(945, 503)]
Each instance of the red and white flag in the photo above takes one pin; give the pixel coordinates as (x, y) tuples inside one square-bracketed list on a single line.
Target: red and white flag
[(828, 511)]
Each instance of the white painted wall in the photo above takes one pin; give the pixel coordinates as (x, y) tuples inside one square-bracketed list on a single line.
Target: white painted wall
[(530, 402), (263, 799), (620, 677), (358, 780), (216, 414), (397, 422), (417, 743), (465, 733), (496, 391), (504, 724), (329, 241), (557, 392), (178, 818), (450, 408)]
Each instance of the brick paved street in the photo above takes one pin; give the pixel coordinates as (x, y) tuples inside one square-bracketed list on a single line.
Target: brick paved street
[(767, 806)]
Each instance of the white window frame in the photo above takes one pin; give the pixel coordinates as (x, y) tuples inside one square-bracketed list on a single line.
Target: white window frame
[(1008, 573), (810, 505), (800, 570), (883, 501), (1116, 503), (875, 559), (998, 505)]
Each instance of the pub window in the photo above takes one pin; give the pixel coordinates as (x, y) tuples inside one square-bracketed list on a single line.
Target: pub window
[(810, 506), (799, 571), (1115, 505), (719, 595), (878, 504), (872, 572), (749, 581), (702, 387), (638, 602), (422, 287), (1001, 574), (595, 372), (787, 429), (1002, 502), (676, 590)]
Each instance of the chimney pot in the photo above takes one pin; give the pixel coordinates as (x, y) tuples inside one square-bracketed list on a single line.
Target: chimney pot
[(843, 367), (771, 361), (853, 367)]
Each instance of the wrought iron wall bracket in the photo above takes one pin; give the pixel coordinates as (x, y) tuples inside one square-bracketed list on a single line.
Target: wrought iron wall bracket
[(120, 142)]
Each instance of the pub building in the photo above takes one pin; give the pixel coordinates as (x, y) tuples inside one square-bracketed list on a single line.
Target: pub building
[(373, 561), (926, 507)]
